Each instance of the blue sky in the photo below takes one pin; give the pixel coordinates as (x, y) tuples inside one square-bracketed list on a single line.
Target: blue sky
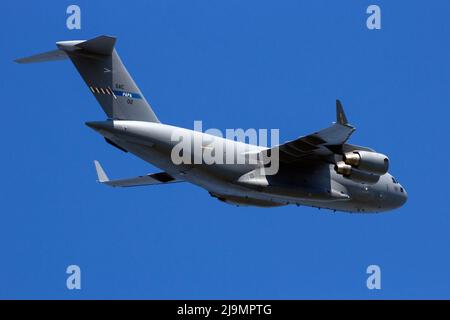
[(231, 64)]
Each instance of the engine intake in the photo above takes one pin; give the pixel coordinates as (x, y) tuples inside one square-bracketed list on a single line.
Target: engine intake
[(372, 162)]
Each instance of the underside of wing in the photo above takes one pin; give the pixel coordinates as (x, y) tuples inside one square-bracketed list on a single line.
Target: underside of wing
[(145, 180)]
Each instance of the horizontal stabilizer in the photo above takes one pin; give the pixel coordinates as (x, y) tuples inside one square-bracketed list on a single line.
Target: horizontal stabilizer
[(54, 55), (100, 45), (146, 180)]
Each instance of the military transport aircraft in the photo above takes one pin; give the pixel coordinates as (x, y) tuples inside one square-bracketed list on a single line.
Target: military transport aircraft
[(319, 170)]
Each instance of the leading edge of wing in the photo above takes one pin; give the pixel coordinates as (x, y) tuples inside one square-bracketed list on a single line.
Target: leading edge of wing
[(318, 144)]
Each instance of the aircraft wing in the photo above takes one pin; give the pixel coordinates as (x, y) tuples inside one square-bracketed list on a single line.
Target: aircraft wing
[(322, 144), (146, 180)]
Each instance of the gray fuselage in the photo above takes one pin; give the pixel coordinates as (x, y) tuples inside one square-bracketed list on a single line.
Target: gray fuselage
[(312, 185)]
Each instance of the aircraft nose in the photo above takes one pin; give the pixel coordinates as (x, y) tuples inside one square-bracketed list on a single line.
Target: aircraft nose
[(403, 195), (400, 197)]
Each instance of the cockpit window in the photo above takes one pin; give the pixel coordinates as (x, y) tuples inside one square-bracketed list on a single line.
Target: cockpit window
[(394, 181)]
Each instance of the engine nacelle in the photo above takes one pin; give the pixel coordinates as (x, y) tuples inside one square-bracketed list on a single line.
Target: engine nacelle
[(343, 168), (372, 162), (354, 174)]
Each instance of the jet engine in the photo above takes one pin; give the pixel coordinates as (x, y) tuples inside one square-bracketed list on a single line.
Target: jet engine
[(355, 174), (371, 162)]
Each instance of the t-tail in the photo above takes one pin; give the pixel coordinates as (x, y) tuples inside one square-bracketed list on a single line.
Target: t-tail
[(105, 75)]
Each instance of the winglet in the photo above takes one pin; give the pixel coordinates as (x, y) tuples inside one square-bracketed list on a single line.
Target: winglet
[(340, 114), (102, 177)]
